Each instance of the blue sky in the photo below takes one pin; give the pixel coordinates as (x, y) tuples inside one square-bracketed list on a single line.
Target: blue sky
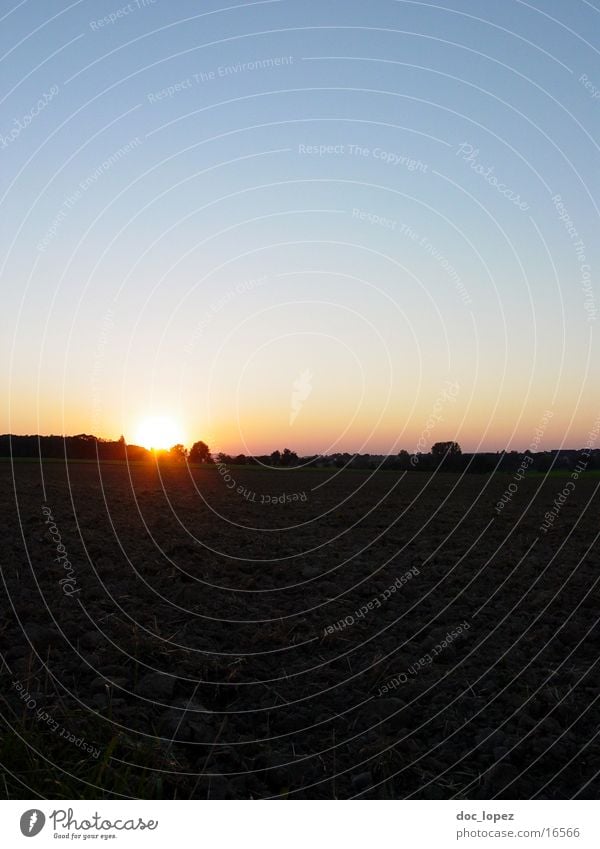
[(213, 201)]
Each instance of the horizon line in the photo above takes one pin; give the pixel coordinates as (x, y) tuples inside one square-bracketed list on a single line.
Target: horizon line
[(106, 440)]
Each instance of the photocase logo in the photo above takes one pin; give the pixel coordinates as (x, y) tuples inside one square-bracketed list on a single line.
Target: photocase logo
[(32, 822), (302, 387)]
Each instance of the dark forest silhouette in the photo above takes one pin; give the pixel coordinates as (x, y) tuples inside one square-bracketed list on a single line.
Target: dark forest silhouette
[(446, 456)]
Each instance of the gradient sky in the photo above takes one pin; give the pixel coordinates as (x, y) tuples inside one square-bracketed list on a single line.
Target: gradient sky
[(186, 253)]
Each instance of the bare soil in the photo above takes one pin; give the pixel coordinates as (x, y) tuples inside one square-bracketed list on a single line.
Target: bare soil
[(204, 640)]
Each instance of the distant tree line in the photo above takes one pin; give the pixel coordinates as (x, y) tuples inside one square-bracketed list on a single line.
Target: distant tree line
[(80, 447), (446, 456), (87, 447)]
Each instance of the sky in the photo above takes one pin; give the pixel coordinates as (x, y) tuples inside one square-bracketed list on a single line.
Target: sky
[(331, 226)]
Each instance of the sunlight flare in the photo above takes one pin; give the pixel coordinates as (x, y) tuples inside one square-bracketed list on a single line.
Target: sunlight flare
[(158, 433)]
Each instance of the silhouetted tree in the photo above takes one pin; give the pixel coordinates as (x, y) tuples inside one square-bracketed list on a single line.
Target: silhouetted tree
[(275, 458), (177, 453), (441, 449), (135, 453), (288, 458), (403, 460), (312, 460), (199, 453)]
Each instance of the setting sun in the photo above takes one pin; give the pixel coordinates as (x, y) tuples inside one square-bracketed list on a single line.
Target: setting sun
[(158, 432)]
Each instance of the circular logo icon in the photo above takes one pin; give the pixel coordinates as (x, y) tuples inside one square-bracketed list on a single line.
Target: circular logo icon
[(32, 822)]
